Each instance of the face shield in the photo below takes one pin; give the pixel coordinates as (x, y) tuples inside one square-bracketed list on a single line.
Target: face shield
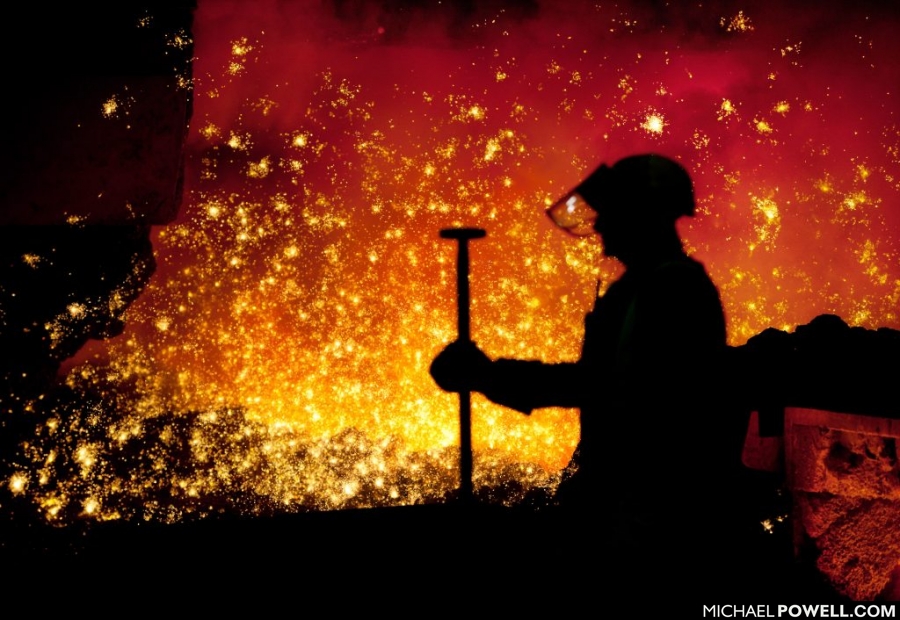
[(573, 214)]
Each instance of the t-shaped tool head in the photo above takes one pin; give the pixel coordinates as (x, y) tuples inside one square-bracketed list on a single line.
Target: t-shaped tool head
[(463, 233)]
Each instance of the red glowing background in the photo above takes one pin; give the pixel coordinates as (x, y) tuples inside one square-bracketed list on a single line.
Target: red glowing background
[(305, 281)]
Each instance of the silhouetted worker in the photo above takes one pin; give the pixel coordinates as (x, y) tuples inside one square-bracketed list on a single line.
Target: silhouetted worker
[(654, 466)]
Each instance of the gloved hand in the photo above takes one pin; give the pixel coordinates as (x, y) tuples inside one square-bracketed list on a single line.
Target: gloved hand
[(460, 367)]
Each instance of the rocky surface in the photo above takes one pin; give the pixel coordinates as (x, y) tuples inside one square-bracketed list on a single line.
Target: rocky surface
[(846, 487), (835, 387)]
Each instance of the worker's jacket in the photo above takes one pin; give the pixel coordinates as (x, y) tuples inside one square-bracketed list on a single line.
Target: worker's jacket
[(657, 433)]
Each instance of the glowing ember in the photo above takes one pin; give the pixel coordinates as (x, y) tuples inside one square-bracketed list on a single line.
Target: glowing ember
[(110, 107), (282, 347), (738, 23), (17, 483), (654, 124)]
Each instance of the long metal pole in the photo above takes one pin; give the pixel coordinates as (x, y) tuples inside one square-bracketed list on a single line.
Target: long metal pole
[(464, 334)]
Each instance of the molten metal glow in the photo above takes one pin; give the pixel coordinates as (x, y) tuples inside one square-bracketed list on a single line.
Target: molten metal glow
[(304, 290)]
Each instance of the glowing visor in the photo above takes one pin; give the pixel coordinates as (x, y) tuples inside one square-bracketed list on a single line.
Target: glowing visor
[(573, 214)]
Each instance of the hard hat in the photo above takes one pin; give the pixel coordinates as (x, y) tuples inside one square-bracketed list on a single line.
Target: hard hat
[(654, 185)]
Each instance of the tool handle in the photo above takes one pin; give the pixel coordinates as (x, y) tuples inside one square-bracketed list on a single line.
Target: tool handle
[(463, 330), (463, 324)]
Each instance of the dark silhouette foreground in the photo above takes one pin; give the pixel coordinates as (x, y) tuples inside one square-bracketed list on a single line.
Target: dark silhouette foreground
[(656, 477)]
